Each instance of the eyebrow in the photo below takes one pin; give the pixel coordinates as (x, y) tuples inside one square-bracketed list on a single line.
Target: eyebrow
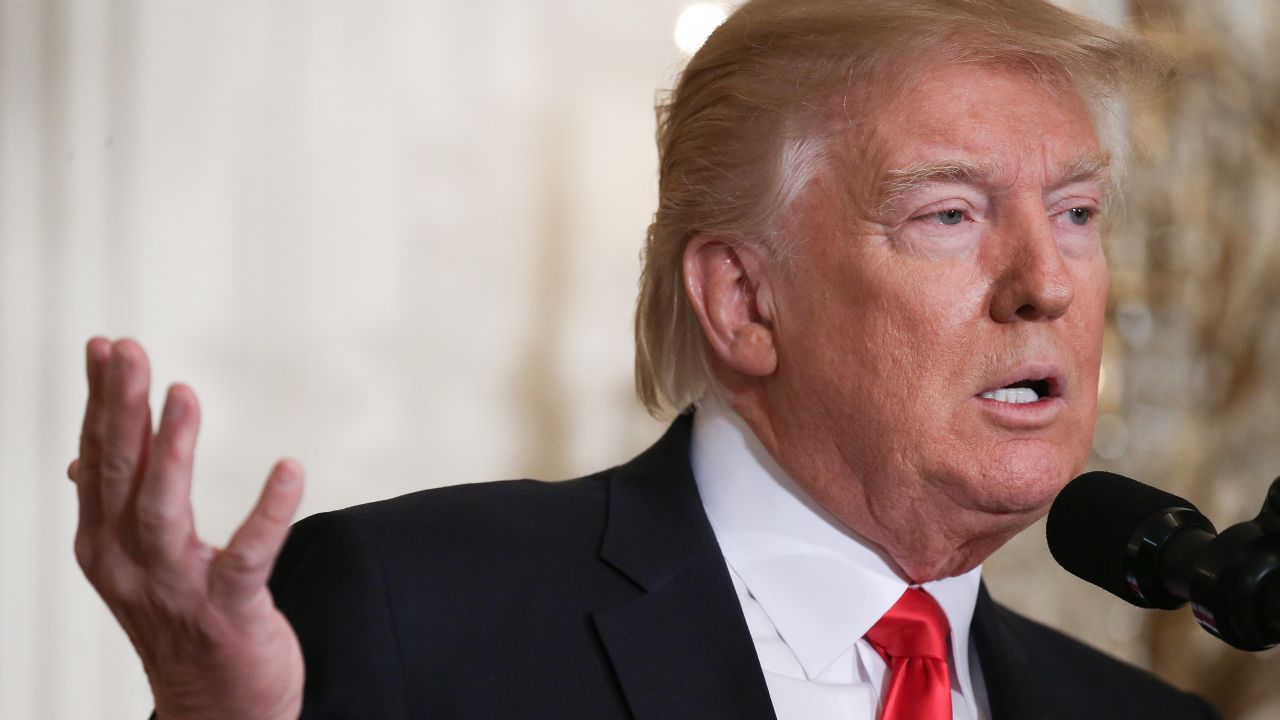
[(897, 184), (1089, 166)]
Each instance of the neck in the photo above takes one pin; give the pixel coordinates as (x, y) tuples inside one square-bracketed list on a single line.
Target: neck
[(924, 537)]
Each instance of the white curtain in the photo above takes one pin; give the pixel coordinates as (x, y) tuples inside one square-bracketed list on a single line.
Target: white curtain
[(395, 240)]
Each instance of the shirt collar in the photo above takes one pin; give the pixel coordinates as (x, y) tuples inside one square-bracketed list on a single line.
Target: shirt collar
[(821, 585)]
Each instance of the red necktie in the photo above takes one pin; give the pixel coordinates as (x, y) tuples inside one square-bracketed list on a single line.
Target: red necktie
[(912, 639)]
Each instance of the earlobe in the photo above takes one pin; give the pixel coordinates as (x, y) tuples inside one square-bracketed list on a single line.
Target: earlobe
[(727, 285), (753, 352)]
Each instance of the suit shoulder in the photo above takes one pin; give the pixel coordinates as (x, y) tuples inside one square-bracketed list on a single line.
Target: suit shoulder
[(505, 518), (488, 506), (1079, 668)]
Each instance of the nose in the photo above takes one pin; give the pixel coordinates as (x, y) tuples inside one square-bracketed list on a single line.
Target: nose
[(1032, 280)]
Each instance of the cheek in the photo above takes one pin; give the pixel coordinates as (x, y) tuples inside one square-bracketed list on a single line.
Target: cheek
[(894, 344), (892, 374), (881, 330), (1091, 307)]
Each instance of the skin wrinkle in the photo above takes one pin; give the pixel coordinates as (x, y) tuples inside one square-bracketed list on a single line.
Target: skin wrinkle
[(882, 341), (892, 504), (899, 185)]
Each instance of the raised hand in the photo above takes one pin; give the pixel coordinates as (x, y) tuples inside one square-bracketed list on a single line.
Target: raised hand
[(212, 642)]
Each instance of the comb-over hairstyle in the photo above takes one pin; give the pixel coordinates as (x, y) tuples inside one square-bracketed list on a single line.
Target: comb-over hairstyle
[(760, 109)]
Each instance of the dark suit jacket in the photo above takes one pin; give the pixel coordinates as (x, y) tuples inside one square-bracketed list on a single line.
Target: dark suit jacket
[(602, 597)]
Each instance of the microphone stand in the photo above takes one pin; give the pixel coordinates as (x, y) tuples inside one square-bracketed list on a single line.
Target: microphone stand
[(1232, 578)]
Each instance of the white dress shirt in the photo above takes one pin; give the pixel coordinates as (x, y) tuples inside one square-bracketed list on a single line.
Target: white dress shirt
[(810, 588)]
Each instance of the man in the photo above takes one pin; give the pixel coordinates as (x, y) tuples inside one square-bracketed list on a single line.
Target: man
[(876, 272)]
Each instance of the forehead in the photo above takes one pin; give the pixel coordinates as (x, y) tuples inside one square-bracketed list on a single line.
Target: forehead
[(983, 116)]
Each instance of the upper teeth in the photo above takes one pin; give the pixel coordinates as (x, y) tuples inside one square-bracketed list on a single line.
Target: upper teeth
[(1012, 395)]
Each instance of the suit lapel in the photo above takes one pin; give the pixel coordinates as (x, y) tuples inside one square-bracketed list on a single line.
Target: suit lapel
[(1007, 670), (681, 649), (1025, 679)]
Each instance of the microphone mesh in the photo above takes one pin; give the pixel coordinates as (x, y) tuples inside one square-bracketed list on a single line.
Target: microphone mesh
[(1093, 519)]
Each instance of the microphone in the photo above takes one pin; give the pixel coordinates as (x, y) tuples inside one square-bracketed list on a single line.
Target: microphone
[(1156, 550)]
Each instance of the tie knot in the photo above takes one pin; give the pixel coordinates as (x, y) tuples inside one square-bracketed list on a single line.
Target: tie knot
[(914, 627)]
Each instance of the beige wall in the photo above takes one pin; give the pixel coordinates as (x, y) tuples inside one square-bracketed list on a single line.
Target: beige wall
[(395, 239)]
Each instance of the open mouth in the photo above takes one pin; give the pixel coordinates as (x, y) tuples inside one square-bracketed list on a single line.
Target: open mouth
[(1023, 391)]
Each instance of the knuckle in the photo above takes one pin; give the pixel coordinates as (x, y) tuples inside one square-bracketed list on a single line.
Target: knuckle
[(116, 465), (156, 517), (174, 454), (114, 583), (86, 553), (239, 559)]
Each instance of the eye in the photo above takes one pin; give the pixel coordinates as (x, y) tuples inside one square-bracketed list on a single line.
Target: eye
[(948, 217), (1079, 216)]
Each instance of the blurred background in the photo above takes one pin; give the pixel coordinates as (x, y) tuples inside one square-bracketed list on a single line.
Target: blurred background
[(398, 240)]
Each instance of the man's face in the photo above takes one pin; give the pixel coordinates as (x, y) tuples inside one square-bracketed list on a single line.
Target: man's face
[(977, 266)]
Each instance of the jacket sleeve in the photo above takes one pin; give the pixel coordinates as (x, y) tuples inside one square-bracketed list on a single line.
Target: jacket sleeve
[(329, 582)]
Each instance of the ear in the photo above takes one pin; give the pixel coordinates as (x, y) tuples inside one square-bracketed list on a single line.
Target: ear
[(729, 289)]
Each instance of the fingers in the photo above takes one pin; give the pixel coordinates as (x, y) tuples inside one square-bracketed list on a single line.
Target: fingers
[(139, 486), (127, 426), (241, 570), (163, 502), (97, 353)]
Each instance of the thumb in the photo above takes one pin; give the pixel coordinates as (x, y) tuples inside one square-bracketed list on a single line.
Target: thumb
[(241, 570)]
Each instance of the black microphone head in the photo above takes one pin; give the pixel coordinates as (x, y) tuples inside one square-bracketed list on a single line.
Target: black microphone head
[(1092, 522)]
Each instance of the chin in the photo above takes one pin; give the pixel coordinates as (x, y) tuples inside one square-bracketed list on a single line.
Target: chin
[(1020, 481)]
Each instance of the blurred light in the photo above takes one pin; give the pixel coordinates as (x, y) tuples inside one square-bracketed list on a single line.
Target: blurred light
[(695, 25), (1111, 373), (1110, 436), (1152, 427), (1135, 323)]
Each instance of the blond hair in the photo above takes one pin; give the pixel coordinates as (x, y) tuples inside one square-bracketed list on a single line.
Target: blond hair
[(753, 117)]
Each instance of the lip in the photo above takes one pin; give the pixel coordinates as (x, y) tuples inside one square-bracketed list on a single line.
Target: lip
[(1025, 416), (1028, 416), (1049, 372)]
